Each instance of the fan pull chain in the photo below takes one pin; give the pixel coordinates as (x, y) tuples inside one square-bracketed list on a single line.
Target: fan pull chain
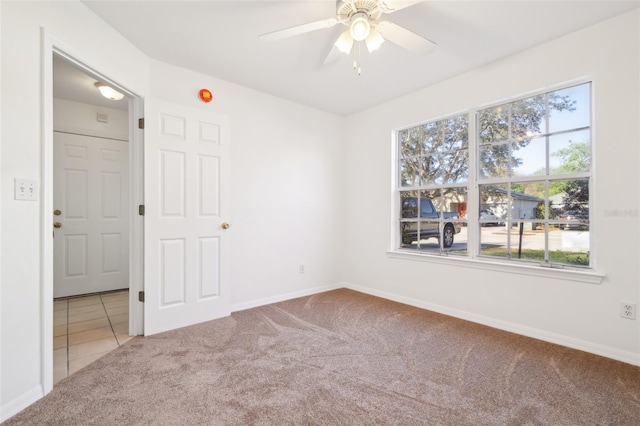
[(356, 59)]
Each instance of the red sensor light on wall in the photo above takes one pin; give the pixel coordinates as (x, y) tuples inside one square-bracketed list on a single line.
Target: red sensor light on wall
[(206, 95)]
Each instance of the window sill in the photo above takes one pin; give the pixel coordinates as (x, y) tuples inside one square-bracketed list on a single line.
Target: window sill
[(589, 277)]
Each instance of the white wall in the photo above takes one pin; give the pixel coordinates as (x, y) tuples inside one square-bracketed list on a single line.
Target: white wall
[(572, 313), (287, 178), (287, 187), (80, 33), (81, 119)]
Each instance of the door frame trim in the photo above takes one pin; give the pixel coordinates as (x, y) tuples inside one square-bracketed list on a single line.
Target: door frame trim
[(51, 45)]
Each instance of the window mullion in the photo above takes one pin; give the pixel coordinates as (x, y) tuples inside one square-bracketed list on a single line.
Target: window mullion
[(473, 198), (547, 207)]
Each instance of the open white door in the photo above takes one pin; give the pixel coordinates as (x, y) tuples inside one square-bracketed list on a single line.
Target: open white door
[(186, 174)]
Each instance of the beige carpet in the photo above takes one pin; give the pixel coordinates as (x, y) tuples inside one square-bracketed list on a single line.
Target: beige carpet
[(342, 358)]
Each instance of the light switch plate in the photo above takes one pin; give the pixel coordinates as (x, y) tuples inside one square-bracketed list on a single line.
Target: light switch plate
[(26, 189)]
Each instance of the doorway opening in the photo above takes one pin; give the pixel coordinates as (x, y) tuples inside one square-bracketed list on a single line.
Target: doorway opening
[(92, 183), (87, 327)]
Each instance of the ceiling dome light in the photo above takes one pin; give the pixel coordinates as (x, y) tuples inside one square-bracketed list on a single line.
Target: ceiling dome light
[(109, 92), (360, 27)]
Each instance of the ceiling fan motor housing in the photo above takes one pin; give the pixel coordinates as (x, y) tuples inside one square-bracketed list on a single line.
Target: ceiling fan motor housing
[(345, 9)]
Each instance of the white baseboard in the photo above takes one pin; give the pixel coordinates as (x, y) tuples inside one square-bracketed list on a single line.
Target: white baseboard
[(559, 339), (282, 297), (20, 403)]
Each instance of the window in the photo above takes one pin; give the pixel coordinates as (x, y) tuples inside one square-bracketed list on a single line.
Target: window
[(434, 172), (528, 179)]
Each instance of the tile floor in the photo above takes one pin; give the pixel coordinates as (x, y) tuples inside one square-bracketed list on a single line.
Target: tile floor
[(86, 328)]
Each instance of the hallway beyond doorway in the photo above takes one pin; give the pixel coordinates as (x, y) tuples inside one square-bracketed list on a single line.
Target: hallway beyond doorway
[(87, 327)]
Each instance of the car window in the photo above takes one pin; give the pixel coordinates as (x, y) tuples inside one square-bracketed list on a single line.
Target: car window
[(409, 207), (425, 207)]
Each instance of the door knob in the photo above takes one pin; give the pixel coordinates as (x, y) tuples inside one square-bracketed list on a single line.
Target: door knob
[(57, 212), (57, 225), (225, 225)]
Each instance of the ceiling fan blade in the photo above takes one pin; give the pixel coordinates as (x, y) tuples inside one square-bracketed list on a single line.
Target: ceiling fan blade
[(405, 38), (298, 29), (390, 6), (334, 55)]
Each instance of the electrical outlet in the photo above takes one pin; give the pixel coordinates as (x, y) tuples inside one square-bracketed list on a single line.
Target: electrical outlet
[(301, 268), (628, 310), (26, 189)]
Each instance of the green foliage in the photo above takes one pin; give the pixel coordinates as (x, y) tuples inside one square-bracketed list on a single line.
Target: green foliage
[(562, 257), (518, 187), (556, 187), (575, 158)]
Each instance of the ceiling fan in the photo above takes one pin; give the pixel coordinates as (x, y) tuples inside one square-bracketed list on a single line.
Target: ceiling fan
[(362, 17)]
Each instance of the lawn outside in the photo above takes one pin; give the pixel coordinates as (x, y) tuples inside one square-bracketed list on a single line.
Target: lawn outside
[(570, 247)]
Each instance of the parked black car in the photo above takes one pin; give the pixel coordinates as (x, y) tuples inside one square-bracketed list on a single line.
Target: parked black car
[(428, 228)]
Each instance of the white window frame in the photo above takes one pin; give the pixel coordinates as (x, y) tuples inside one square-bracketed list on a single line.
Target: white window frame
[(473, 259), (431, 186)]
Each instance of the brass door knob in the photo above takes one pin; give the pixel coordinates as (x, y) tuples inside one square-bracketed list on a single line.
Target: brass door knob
[(57, 212), (225, 225), (57, 225)]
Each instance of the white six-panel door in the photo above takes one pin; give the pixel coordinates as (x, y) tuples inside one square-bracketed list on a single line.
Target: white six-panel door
[(186, 175), (91, 199)]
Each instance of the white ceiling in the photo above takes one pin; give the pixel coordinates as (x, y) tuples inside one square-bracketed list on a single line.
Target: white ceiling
[(220, 38), (74, 84)]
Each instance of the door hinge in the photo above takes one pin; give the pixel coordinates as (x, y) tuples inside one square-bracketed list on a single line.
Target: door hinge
[(140, 123), (141, 209), (141, 296)]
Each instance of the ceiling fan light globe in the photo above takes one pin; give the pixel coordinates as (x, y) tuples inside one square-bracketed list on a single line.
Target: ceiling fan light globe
[(344, 42), (359, 27), (374, 41)]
